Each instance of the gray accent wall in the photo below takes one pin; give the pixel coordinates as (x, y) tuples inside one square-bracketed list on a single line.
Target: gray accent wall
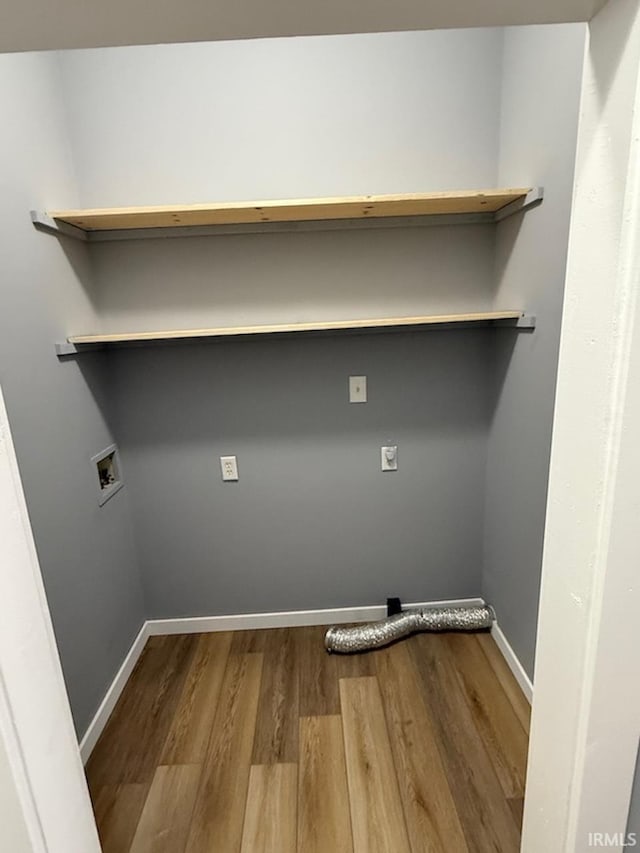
[(312, 522), (58, 411), (540, 98)]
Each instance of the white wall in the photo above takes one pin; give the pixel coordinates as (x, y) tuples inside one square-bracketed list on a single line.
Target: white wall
[(587, 681), (36, 730), (13, 828)]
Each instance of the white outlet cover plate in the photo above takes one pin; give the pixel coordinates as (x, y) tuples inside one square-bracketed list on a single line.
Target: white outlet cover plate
[(357, 389), (229, 468), (389, 457)]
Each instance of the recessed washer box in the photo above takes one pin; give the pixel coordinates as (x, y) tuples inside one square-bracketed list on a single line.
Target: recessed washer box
[(108, 473)]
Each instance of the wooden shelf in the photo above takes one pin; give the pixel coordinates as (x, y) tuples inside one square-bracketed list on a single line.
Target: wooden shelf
[(133, 222), (295, 210), (291, 214), (76, 343)]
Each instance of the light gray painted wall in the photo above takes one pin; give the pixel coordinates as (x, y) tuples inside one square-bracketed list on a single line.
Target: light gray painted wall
[(287, 118), (357, 114), (540, 98), (312, 522), (57, 410), (279, 278), (399, 112), (279, 118)]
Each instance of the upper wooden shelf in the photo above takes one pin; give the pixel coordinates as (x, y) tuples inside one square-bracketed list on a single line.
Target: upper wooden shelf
[(114, 223), (294, 210)]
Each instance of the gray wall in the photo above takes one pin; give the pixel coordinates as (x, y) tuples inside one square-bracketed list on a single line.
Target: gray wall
[(279, 278), (279, 118), (312, 522), (56, 410), (357, 114), (540, 98), (354, 114), (287, 118)]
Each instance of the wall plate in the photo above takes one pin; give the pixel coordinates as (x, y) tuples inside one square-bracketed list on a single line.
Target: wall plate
[(357, 389), (108, 473), (229, 468), (389, 457)]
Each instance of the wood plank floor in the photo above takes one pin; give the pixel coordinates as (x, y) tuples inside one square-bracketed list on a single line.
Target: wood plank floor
[(260, 742)]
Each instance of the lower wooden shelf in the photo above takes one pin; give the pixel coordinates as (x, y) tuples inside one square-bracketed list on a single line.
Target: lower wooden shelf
[(78, 343)]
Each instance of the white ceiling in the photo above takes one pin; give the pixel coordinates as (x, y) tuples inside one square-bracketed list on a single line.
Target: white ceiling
[(53, 24)]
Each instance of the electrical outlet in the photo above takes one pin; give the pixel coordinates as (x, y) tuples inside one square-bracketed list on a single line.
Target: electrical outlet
[(389, 457), (229, 467)]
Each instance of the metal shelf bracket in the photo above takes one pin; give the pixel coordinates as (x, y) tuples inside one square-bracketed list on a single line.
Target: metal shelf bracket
[(532, 199), (43, 222)]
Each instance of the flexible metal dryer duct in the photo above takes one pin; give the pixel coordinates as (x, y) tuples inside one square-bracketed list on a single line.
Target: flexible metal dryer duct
[(376, 634)]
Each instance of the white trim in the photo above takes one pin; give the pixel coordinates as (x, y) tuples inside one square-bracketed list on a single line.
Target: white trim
[(513, 663), (288, 618), (112, 695), (35, 718), (28, 815), (238, 622), (586, 713)]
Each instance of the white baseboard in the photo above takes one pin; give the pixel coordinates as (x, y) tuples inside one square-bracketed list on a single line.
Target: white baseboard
[(288, 618), (242, 621), (112, 695), (512, 662)]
